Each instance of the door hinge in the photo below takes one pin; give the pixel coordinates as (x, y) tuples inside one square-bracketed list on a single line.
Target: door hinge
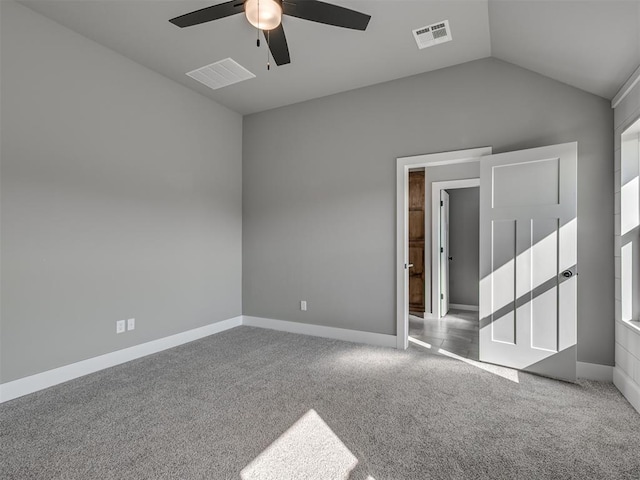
[(441, 249), (442, 296), (441, 203)]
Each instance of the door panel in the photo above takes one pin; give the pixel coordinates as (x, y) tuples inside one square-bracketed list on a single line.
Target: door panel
[(528, 239), (503, 295), (416, 226), (416, 242), (416, 258), (544, 273), (416, 285), (530, 184)]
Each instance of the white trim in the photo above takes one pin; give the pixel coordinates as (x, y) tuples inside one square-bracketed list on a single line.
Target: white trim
[(632, 325), (436, 188), (40, 381), (626, 88), (402, 197), (594, 371), (445, 158), (357, 336), (628, 388), (402, 282), (468, 308)]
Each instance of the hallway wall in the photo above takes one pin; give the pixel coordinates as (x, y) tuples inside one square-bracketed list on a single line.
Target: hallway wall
[(464, 245)]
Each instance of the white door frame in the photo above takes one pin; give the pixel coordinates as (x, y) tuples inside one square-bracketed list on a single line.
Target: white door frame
[(436, 188), (403, 164)]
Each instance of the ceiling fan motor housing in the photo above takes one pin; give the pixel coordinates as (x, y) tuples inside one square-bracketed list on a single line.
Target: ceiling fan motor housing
[(263, 14)]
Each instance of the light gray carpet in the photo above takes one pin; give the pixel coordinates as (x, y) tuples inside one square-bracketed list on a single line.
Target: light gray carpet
[(275, 405)]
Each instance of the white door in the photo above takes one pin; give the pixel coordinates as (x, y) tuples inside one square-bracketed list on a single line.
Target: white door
[(444, 253), (528, 256)]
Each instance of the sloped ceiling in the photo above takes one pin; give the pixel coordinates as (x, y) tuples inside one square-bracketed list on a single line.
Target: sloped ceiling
[(593, 45)]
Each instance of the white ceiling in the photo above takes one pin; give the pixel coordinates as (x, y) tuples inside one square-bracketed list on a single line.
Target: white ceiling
[(593, 45)]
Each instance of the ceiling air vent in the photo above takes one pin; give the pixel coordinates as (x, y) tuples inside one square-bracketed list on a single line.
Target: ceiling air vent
[(433, 34), (220, 74)]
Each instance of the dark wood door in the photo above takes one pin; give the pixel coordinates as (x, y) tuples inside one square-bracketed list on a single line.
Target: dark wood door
[(416, 243)]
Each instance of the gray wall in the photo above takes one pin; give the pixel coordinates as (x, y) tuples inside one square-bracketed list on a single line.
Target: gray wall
[(121, 197), (319, 189), (464, 245)]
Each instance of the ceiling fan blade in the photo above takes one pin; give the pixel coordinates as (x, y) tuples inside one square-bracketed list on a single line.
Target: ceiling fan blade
[(278, 45), (209, 14), (326, 13)]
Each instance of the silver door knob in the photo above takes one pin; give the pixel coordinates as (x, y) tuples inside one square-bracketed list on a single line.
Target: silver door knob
[(567, 274)]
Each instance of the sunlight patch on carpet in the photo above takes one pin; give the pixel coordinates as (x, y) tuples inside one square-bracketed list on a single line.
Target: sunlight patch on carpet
[(308, 449), (504, 372)]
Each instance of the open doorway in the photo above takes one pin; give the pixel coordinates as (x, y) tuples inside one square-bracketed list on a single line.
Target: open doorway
[(453, 323), (454, 228), (438, 167), (528, 253)]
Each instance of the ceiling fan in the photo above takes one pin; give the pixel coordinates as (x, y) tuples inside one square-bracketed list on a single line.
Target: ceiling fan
[(266, 15)]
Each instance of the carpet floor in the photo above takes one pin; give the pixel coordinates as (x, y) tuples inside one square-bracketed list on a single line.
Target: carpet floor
[(253, 404)]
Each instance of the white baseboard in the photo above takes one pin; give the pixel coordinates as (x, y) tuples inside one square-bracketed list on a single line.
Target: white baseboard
[(357, 336), (459, 306), (594, 371), (628, 388), (40, 381)]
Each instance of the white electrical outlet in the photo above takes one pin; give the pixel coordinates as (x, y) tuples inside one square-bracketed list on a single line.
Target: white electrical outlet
[(131, 324), (303, 305), (120, 326)]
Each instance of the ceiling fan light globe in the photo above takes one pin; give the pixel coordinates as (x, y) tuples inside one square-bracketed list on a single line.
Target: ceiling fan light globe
[(263, 14)]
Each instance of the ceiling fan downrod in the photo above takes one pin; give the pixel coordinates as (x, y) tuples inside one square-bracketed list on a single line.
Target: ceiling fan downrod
[(257, 29)]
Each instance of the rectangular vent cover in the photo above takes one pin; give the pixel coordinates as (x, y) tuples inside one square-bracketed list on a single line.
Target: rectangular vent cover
[(220, 74), (433, 34)]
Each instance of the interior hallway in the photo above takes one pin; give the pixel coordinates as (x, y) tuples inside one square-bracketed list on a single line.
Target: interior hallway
[(456, 332)]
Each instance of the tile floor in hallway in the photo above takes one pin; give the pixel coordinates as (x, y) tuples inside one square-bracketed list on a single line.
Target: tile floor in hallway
[(456, 332)]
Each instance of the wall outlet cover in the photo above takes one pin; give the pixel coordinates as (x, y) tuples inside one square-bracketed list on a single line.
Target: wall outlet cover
[(120, 326), (131, 324)]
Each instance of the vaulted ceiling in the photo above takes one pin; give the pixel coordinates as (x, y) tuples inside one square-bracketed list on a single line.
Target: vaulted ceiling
[(593, 45)]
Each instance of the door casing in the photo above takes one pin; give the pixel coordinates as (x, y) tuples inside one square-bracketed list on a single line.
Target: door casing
[(403, 164), (443, 300), (436, 188)]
